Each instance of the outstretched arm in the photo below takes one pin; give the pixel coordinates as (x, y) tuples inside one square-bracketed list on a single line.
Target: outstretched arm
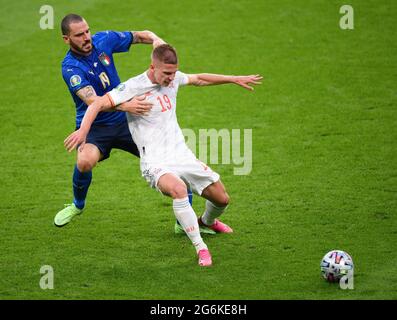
[(137, 106), (147, 37), (208, 79)]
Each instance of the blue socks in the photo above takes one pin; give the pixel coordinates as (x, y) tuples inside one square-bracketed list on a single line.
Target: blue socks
[(81, 183), (190, 196)]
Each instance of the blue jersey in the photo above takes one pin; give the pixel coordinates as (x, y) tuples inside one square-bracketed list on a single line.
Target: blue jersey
[(96, 70)]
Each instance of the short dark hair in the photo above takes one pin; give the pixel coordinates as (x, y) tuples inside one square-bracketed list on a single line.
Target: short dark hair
[(68, 20), (166, 54)]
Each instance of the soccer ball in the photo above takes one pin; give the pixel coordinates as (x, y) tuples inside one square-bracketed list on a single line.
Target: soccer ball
[(335, 265)]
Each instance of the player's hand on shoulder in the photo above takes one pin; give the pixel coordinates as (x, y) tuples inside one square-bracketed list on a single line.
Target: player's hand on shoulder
[(137, 106), (246, 81), (75, 139)]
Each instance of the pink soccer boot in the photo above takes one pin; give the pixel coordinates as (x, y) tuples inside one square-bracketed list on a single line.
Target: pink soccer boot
[(205, 259), (217, 226)]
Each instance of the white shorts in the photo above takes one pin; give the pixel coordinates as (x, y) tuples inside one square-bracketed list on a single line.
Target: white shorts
[(196, 174)]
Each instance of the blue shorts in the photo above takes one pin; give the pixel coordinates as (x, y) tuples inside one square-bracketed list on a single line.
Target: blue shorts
[(114, 136)]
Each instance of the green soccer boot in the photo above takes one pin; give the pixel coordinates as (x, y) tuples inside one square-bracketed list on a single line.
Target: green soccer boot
[(64, 216)]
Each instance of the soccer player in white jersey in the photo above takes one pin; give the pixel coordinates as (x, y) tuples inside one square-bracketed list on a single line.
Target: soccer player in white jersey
[(166, 162)]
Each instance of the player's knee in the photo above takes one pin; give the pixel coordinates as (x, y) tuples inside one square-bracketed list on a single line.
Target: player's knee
[(85, 165), (179, 191)]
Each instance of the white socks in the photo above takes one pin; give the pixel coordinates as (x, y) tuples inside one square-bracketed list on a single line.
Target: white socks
[(187, 218), (211, 213)]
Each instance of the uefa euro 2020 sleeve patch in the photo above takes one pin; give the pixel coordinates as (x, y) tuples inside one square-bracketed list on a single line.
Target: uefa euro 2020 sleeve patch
[(75, 80)]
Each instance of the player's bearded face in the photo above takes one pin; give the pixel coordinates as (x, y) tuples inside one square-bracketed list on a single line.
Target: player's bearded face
[(79, 38), (164, 73)]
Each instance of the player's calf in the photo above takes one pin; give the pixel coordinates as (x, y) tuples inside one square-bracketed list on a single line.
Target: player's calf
[(217, 201), (221, 200), (216, 193)]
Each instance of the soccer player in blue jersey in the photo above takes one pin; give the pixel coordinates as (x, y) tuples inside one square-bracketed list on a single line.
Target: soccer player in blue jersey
[(88, 70)]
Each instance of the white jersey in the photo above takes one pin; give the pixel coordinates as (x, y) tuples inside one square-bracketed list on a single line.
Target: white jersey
[(157, 134)]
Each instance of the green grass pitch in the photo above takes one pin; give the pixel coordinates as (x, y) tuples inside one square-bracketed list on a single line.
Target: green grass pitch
[(324, 172)]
